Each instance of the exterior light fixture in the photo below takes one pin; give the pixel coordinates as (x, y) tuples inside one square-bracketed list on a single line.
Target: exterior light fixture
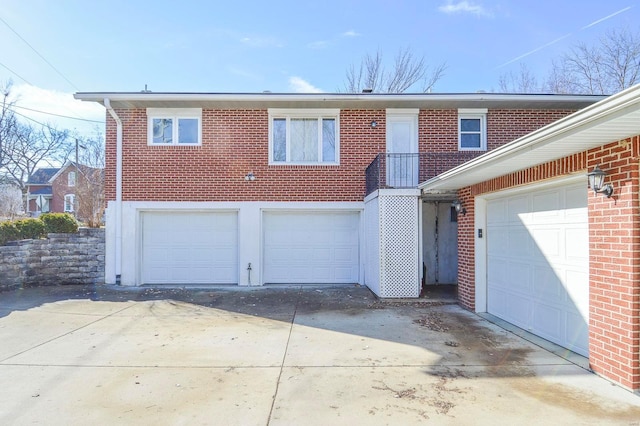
[(374, 123), (250, 177), (596, 182), (457, 205)]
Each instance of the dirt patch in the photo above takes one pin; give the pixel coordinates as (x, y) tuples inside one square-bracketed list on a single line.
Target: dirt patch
[(434, 321), (571, 399)]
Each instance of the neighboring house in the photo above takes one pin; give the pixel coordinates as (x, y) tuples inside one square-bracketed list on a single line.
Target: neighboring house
[(40, 192), (59, 190), (254, 189)]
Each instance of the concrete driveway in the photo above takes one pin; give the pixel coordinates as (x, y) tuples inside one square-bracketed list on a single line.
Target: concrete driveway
[(280, 356)]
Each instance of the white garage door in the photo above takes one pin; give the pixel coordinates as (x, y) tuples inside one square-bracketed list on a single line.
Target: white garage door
[(311, 247), (538, 263), (189, 248)]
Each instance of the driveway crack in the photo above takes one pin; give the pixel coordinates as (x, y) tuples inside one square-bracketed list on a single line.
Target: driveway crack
[(284, 356), (2, 361)]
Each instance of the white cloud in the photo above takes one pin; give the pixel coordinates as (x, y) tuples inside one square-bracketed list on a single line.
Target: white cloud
[(351, 33), (464, 7), (298, 85), (57, 109), (322, 44), (261, 42)]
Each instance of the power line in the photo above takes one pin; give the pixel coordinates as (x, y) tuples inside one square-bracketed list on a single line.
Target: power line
[(17, 75), (38, 53), (57, 115)]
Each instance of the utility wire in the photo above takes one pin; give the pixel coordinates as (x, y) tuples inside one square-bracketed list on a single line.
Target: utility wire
[(57, 115), (13, 72), (38, 53), (46, 125)]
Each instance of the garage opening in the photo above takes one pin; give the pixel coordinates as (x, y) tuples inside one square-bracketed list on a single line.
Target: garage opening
[(311, 247), (185, 248), (538, 263)]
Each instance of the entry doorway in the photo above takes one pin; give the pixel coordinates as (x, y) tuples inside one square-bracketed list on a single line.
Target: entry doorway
[(439, 242)]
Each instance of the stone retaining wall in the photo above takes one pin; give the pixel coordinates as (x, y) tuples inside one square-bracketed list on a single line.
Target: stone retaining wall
[(60, 259)]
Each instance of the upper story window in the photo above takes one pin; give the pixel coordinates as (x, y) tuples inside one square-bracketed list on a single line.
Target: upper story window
[(304, 136), (174, 126), (71, 179), (69, 202), (472, 129)]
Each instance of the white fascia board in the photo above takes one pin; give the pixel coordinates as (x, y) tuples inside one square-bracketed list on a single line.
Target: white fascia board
[(379, 98)]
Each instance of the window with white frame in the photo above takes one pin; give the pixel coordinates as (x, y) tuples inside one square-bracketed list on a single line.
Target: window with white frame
[(69, 203), (71, 179), (472, 129), (174, 126), (304, 136)]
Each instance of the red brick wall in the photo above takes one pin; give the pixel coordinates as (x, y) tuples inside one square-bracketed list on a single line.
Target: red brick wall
[(614, 265), (236, 142), (614, 252), (60, 188)]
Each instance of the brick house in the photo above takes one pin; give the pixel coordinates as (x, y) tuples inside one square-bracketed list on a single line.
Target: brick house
[(59, 190), (52, 190), (254, 189)]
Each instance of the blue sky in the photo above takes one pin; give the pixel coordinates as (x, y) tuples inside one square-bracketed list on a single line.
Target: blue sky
[(51, 49)]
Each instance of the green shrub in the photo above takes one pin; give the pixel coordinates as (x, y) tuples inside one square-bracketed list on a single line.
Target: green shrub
[(8, 232), (30, 228), (59, 223)]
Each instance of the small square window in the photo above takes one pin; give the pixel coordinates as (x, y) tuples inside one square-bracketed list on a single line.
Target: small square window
[(472, 132)]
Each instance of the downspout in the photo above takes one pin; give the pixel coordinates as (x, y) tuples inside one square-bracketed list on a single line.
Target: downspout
[(118, 245)]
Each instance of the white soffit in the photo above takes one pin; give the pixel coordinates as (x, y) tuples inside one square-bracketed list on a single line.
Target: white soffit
[(610, 120)]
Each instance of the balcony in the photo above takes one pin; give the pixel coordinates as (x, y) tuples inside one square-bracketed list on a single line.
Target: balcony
[(408, 170)]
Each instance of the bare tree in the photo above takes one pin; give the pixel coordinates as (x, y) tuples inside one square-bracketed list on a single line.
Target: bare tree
[(611, 65), (523, 81), (408, 70), (28, 147), (10, 201), (90, 180), (7, 123)]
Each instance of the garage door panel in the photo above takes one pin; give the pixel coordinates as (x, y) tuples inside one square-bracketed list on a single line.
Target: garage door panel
[(311, 247), (517, 207), (496, 213), (577, 333), (545, 207), (189, 248), (549, 321), (522, 272), (577, 243), (544, 285)]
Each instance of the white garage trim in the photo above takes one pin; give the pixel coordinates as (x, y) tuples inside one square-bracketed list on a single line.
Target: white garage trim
[(311, 246), (534, 322)]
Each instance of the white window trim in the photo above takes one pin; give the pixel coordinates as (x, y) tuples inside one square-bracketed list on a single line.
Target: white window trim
[(69, 182), (473, 113), (288, 114), (72, 203), (174, 114)]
